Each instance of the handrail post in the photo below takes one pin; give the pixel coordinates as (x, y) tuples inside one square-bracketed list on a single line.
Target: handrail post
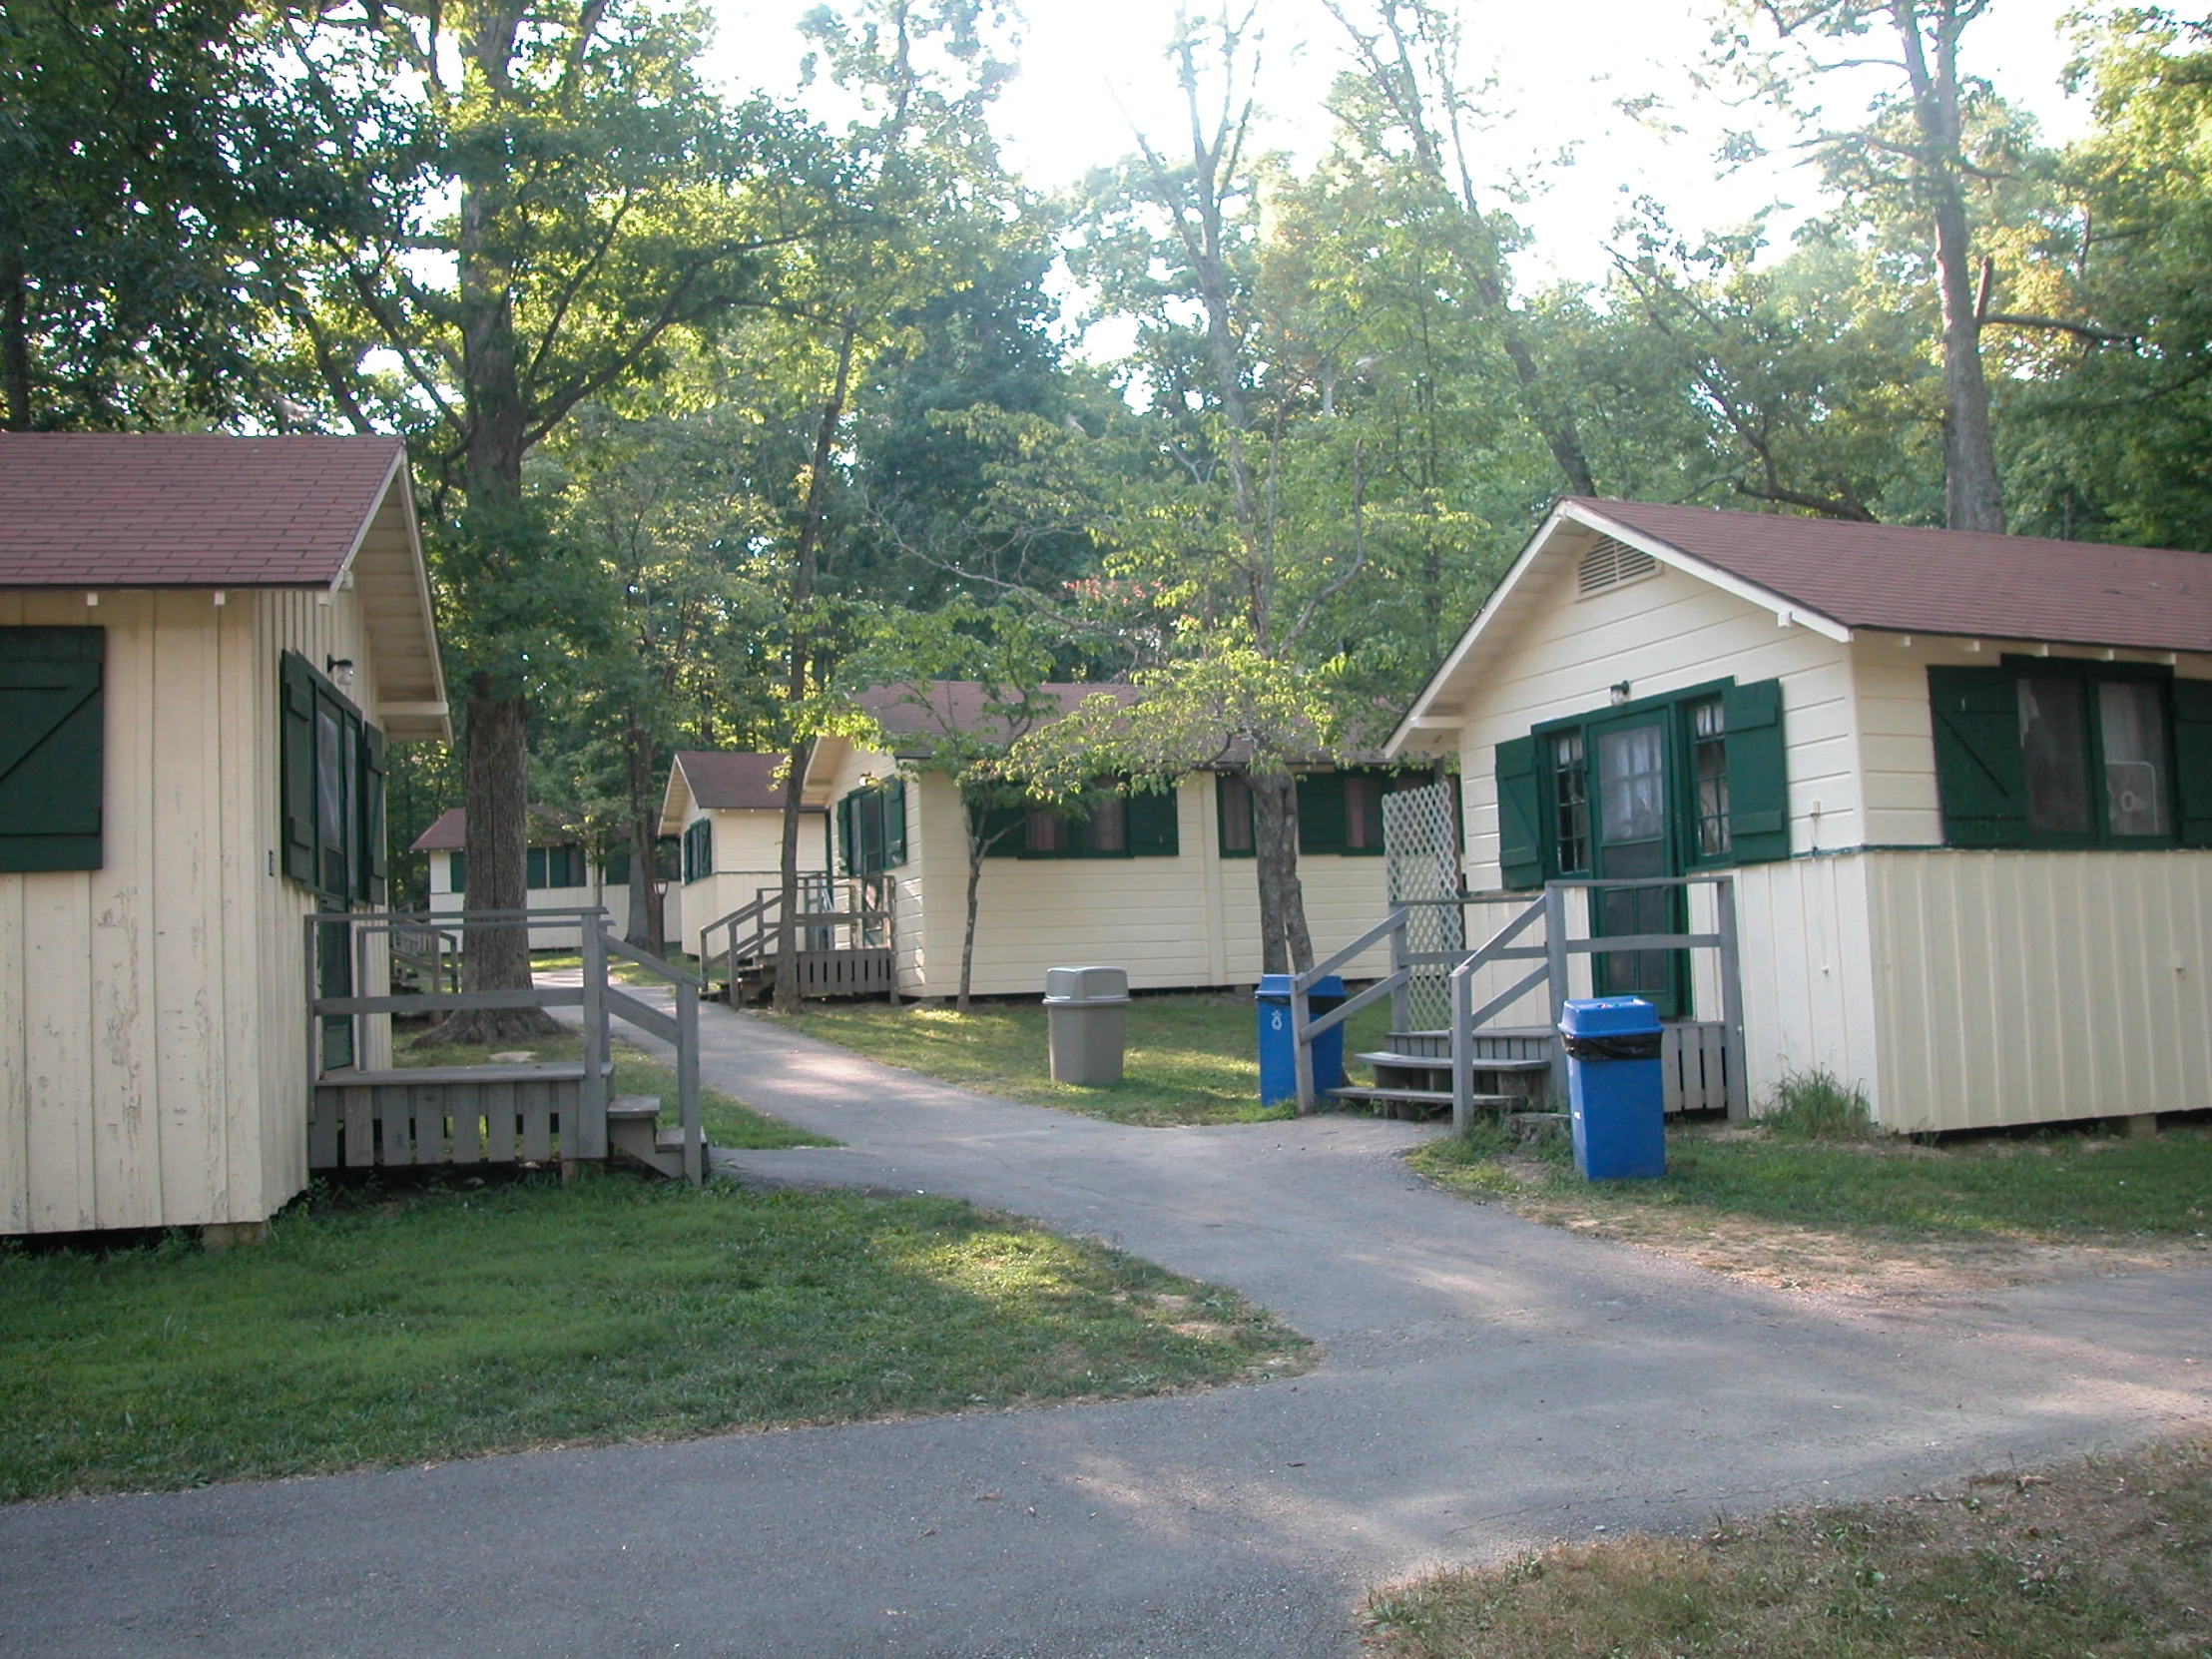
[(888, 897), (1732, 1001), (1461, 986), (589, 1137), (1301, 1052), (1555, 965), (687, 1081), (1400, 1020)]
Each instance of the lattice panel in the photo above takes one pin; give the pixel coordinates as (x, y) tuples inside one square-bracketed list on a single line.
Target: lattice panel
[(1420, 862)]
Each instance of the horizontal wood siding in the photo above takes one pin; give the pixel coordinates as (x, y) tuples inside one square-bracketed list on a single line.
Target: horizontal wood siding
[(2031, 988), (1660, 635)]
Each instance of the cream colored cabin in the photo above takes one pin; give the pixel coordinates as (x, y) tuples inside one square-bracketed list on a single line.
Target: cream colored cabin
[(226, 595), (726, 808), (1970, 849), (560, 873), (1168, 900)]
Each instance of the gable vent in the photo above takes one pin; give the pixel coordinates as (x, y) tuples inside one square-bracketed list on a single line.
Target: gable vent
[(1610, 563)]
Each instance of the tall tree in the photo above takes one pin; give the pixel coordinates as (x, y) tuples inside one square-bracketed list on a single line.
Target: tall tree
[(568, 197)]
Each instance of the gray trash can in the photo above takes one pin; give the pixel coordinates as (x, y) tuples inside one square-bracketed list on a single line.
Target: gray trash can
[(1085, 1011)]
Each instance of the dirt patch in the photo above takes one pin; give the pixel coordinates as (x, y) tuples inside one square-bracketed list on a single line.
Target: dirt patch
[(2109, 1555), (1795, 1258)]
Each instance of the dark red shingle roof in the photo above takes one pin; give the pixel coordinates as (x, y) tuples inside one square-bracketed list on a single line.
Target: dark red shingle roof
[(1912, 581), (185, 509)]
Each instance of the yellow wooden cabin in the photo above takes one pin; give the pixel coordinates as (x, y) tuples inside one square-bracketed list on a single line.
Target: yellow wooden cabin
[(206, 643), (1958, 787)]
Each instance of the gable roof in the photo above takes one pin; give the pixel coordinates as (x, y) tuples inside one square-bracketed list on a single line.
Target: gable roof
[(108, 510), (1913, 581), (721, 780), (186, 509), (1835, 576), (449, 831)]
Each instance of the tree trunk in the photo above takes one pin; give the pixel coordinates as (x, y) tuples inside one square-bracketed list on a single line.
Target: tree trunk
[(1973, 498), (1286, 946), (15, 347), (803, 598), (974, 906), (640, 753)]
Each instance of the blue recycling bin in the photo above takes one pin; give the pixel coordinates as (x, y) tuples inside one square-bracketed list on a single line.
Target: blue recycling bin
[(1279, 1049), (1613, 1094)]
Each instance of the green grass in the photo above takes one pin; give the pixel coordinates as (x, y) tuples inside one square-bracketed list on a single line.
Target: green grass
[(2055, 1187), (727, 1122), (1191, 1058), (2105, 1559), (629, 973), (436, 1324)]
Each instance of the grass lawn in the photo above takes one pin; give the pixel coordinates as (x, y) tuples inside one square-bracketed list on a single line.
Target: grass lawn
[(1807, 1212), (2106, 1557), (625, 973), (377, 1329), (1193, 1057), (727, 1122)]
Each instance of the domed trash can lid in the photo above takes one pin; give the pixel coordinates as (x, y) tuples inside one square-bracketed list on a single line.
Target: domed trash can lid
[(1086, 985)]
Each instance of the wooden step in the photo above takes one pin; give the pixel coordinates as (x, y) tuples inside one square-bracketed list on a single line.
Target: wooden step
[(637, 1137), (628, 1108), (1442, 1062)]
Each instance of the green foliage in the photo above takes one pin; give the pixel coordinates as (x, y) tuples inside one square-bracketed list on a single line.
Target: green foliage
[(377, 1328), (1816, 1106)]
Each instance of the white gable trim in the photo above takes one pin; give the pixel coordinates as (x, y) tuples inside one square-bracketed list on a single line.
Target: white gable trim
[(1421, 718)]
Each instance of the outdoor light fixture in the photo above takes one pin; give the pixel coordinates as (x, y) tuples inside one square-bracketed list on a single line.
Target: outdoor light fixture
[(1620, 694), (342, 670)]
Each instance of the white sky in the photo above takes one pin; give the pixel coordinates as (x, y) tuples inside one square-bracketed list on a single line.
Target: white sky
[(1559, 65)]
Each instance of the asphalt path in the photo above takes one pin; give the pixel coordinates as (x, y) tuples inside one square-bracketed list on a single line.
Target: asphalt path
[(1487, 1386)]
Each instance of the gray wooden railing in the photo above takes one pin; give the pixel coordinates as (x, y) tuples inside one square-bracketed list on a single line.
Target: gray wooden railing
[(750, 932), (1551, 958), (599, 1001)]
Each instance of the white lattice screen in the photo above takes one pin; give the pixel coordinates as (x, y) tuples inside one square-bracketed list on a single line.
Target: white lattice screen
[(1421, 860)]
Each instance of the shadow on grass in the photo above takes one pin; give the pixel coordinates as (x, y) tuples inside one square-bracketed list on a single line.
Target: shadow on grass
[(390, 1325)]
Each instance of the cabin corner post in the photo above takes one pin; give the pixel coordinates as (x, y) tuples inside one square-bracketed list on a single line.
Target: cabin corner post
[(307, 960), (687, 1081), (891, 932), (1732, 1000)]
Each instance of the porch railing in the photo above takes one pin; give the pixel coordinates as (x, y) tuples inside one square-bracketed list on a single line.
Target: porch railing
[(1550, 971), (751, 932), (595, 994)]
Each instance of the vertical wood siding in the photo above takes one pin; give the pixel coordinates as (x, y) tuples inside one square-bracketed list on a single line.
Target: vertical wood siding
[(2030, 988), (152, 1039)]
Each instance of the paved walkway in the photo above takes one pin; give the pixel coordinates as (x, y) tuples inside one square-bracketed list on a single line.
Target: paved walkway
[(1489, 1384)]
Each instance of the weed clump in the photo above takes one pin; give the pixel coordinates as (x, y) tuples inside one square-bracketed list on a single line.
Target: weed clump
[(1818, 1106)]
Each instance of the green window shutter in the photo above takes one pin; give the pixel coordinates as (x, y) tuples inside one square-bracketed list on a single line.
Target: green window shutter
[(1758, 772), (1320, 812), (1149, 818), (297, 828), (2193, 759), (844, 835), (534, 867), (895, 823), (1521, 813), (52, 727), (1003, 831), (374, 766), (617, 867), (457, 864), (1978, 771)]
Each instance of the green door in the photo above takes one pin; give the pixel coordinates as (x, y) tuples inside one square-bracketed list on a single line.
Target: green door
[(1635, 838)]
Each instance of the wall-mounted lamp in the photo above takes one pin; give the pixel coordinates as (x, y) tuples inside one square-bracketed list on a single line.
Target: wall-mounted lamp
[(341, 671), (868, 779), (1620, 694)]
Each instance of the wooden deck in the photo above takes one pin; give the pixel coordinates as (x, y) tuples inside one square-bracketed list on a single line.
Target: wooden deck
[(1513, 1064)]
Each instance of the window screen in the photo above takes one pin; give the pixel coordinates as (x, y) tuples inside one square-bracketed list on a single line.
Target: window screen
[(2055, 747), (1709, 764), (2133, 722), (1571, 790)]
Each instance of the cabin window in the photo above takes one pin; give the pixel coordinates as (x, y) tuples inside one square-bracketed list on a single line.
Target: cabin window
[(1340, 812), (2056, 751), (1233, 803), (1690, 779), (332, 787), (557, 866), (699, 849), (1138, 825), (871, 829), (457, 865), (1708, 776), (1570, 794), (51, 730)]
